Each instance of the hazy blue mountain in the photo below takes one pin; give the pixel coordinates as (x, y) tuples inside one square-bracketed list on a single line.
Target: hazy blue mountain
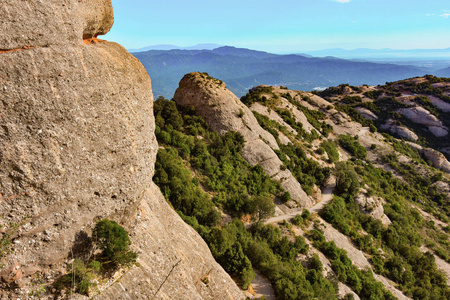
[(173, 47), (443, 73), (242, 69), (384, 53)]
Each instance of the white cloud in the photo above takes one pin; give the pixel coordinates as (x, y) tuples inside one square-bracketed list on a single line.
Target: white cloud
[(342, 1), (446, 15)]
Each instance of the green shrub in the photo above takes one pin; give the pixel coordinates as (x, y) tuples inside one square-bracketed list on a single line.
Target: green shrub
[(80, 278), (285, 197), (297, 220), (114, 242), (350, 144), (305, 214), (346, 179), (330, 147)]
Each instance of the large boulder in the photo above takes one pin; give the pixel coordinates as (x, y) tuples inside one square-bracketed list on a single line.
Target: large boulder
[(224, 112), (77, 145)]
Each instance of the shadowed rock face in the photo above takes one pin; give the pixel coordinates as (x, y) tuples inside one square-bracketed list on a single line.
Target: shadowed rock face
[(225, 112), (77, 144)]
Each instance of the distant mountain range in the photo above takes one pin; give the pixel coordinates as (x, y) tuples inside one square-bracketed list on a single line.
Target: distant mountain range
[(401, 54), (173, 47), (443, 73), (242, 69)]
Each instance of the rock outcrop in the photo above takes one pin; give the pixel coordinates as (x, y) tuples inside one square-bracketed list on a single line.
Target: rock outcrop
[(224, 112), (422, 116), (401, 131), (438, 159), (366, 113), (441, 104), (78, 145), (372, 206)]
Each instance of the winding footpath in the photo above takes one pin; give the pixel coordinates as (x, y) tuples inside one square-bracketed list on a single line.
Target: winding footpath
[(358, 258), (327, 196)]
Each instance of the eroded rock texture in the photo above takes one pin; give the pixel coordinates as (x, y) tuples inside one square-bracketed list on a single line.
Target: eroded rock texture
[(225, 112), (77, 144)]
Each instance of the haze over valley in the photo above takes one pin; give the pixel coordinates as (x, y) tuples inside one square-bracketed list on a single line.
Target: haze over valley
[(241, 69)]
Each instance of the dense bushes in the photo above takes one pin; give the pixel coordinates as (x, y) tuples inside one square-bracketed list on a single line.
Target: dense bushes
[(240, 189), (307, 171), (177, 185), (275, 256), (361, 282), (329, 147), (346, 179), (255, 95), (351, 144), (402, 261)]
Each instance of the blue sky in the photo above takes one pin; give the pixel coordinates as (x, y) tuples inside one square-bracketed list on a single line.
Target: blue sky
[(285, 25)]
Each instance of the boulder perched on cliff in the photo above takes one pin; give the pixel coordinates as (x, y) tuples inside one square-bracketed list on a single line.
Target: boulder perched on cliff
[(224, 112), (78, 145)]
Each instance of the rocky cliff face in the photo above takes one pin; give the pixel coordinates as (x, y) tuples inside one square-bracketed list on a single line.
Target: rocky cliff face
[(77, 145), (225, 112)]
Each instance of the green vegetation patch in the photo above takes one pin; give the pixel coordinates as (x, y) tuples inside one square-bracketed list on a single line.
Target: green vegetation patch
[(229, 183), (352, 145), (114, 243)]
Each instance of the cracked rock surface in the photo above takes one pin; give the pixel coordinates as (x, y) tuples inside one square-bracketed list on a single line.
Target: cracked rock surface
[(77, 144)]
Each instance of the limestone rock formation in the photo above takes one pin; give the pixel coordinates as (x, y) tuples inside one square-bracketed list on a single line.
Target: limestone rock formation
[(299, 115), (442, 105), (438, 159), (366, 113), (422, 116), (224, 112), (162, 240), (402, 131), (77, 145), (372, 206)]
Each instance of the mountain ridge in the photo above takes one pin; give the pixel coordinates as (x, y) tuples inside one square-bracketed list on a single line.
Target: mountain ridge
[(243, 68), (332, 142), (208, 46)]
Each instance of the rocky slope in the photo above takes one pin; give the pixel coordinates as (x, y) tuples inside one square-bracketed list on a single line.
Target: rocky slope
[(307, 121), (411, 108), (225, 112), (78, 145)]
